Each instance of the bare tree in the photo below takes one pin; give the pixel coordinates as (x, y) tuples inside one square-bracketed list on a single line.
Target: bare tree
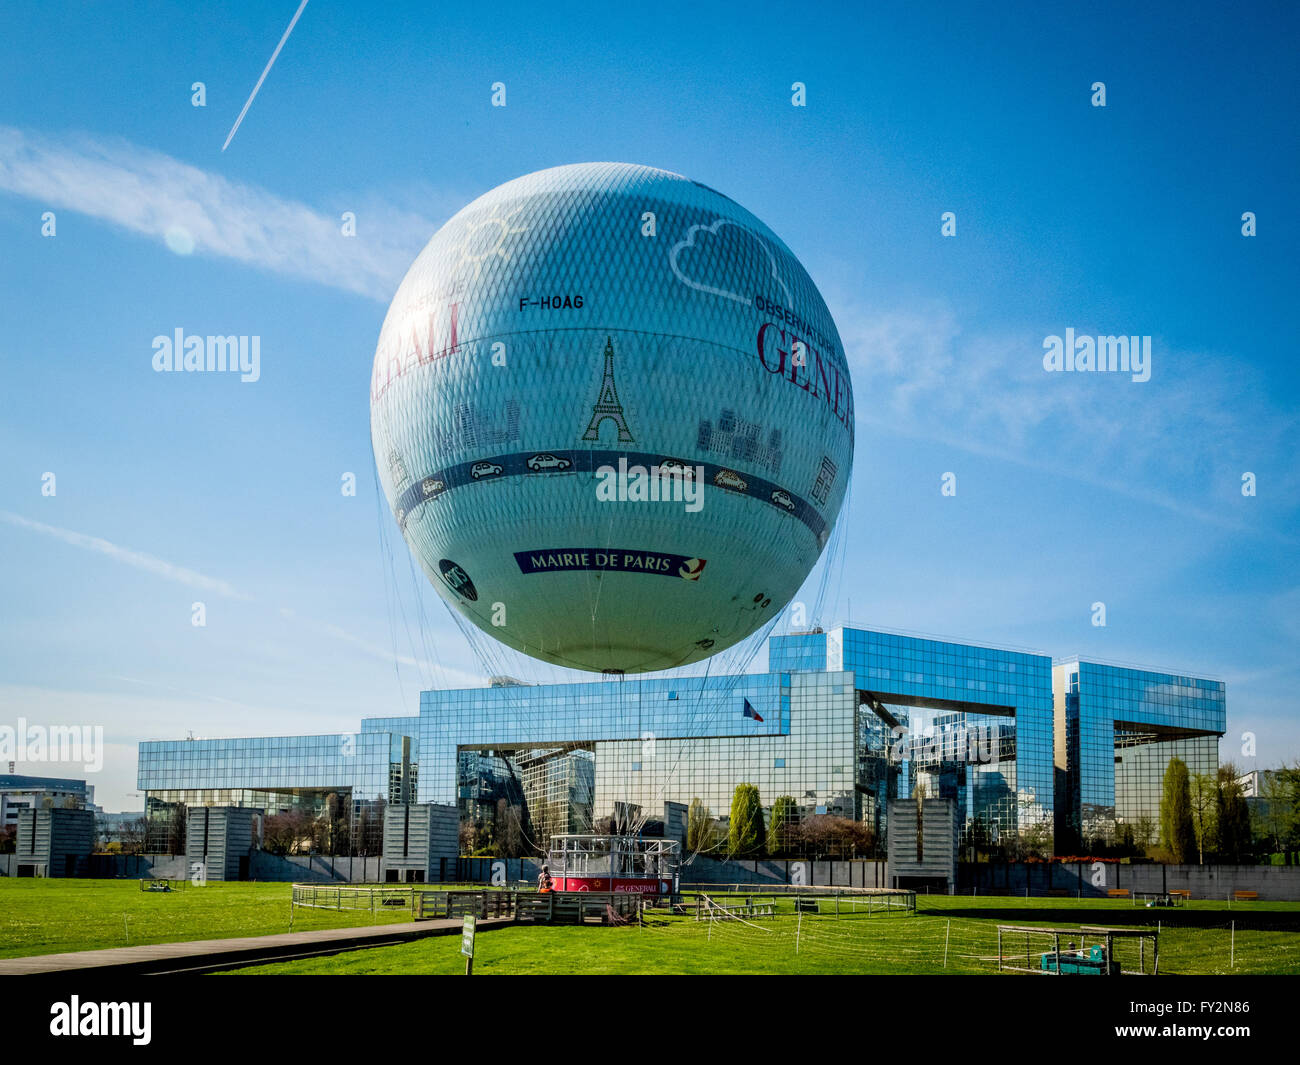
[(1203, 792), (133, 835)]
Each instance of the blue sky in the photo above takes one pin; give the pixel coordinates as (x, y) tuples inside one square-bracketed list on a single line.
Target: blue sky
[(1072, 488)]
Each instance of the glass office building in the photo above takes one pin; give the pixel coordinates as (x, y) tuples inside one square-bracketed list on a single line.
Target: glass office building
[(353, 774), (843, 722), (1117, 728), (971, 723)]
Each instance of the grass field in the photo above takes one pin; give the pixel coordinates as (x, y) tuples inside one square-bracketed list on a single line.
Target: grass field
[(1193, 940), (51, 916), (47, 916)]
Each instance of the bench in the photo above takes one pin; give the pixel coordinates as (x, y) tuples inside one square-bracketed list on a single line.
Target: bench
[(1180, 893), (1245, 896), (1118, 893), (1058, 893)]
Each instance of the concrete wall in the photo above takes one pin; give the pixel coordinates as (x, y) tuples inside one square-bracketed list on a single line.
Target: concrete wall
[(316, 868), (221, 839), (922, 840), (675, 817), (1273, 882), (55, 842), (116, 866), (859, 873), (418, 841)]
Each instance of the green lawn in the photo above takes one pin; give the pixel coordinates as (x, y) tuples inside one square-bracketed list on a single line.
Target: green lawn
[(47, 916), (51, 916), (1193, 940)]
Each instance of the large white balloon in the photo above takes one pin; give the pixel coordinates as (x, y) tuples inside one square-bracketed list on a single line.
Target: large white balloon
[(568, 350)]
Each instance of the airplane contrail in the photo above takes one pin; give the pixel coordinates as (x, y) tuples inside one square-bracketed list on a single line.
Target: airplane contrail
[(271, 62)]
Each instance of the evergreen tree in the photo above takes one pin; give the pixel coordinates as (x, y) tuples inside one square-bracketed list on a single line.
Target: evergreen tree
[(745, 834), (1176, 826), (784, 815), (1233, 816), (699, 828)]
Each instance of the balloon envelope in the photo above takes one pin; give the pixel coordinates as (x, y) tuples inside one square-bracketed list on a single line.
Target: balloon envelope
[(612, 416)]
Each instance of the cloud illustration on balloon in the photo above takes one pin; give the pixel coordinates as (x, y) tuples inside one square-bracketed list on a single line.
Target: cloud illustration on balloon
[(705, 250)]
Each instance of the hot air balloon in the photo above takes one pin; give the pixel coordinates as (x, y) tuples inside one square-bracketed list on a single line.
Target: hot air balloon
[(612, 416)]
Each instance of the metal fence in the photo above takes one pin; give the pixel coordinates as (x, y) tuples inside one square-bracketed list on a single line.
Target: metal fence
[(433, 903), (743, 900)]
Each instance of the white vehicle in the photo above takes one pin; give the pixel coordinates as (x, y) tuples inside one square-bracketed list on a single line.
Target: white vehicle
[(782, 500), (546, 461), (484, 469), (431, 486), (730, 479), (676, 468)]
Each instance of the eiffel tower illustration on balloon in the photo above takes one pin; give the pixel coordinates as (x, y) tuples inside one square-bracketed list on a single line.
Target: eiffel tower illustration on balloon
[(608, 406)]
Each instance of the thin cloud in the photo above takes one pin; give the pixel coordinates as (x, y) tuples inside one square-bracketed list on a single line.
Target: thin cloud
[(444, 674), (182, 206), (149, 563), (1178, 442)]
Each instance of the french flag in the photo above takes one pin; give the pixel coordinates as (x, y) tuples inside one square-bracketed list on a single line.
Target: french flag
[(751, 712)]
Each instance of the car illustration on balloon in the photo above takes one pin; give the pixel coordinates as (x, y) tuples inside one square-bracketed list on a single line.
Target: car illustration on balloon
[(547, 461), (730, 479), (676, 468), (432, 486), (781, 499), (484, 469)]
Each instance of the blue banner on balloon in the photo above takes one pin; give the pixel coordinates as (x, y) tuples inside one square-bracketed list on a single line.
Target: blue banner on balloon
[(620, 559)]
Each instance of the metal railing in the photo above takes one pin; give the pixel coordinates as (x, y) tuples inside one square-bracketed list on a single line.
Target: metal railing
[(425, 903)]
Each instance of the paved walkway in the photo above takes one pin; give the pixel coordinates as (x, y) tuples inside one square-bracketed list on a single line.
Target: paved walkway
[(209, 955)]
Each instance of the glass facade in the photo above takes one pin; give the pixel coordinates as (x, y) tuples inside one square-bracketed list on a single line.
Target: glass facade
[(810, 755), (1116, 730), (352, 773), (843, 722), (968, 722)]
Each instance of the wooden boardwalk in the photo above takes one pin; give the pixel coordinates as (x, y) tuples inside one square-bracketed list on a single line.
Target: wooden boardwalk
[(211, 955)]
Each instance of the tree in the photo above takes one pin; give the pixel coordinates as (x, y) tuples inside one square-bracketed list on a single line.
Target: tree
[(1277, 813), (1273, 818), (1176, 812), (510, 829), (369, 834), (1232, 816), (280, 833), (1203, 791), (828, 836), (700, 833), (785, 817), (1145, 833), (745, 832), (133, 834)]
